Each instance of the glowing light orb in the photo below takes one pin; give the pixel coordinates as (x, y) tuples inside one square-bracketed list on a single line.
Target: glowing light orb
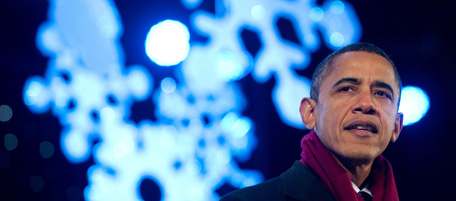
[(337, 39), (191, 4), (36, 95), (316, 14), (228, 67), (167, 43), (5, 113), (10, 142), (168, 85), (258, 12), (414, 104), (337, 7)]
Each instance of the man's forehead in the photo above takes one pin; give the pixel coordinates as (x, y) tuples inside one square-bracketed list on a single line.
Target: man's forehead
[(363, 66), (360, 57)]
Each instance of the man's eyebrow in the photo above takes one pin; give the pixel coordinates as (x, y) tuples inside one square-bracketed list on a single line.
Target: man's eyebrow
[(384, 85), (357, 81), (347, 80)]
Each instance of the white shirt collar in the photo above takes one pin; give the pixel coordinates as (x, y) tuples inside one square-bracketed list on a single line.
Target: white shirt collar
[(365, 189)]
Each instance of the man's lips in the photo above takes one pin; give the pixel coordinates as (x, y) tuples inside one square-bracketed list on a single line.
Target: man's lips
[(362, 125)]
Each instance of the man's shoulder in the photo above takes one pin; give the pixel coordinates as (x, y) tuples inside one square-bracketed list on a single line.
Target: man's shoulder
[(299, 183), (269, 190)]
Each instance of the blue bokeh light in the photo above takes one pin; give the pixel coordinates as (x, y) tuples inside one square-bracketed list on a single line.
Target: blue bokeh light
[(10, 142), (140, 82), (46, 149), (337, 7), (414, 104), (167, 43), (36, 95), (74, 145), (191, 4), (228, 67), (168, 85), (337, 39), (316, 14)]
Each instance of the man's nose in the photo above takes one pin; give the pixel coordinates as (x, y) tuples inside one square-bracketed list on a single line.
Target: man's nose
[(365, 103)]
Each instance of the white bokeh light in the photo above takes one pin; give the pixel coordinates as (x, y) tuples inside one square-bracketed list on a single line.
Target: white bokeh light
[(414, 104), (167, 43)]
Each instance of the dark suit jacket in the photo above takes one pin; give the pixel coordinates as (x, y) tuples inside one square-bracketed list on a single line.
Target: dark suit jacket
[(297, 183)]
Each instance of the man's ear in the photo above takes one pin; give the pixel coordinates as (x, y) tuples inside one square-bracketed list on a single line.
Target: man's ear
[(397, 126), (307, 110)]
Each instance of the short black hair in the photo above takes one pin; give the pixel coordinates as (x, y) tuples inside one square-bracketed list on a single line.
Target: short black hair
[(325, 67)]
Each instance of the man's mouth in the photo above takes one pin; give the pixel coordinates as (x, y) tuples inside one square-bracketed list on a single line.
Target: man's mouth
[(362, 125)]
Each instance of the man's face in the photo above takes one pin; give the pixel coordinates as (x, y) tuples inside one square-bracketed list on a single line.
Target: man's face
[(356, 115)]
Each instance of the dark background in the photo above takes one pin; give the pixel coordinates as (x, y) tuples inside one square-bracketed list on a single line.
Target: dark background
[(418, 35)]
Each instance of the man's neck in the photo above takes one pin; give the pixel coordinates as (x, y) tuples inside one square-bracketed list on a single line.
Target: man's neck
[(357, 171)]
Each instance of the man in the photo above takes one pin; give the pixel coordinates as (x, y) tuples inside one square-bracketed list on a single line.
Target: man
[(353, 115)]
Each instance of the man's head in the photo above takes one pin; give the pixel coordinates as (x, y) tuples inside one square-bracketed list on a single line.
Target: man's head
[(354, 104), (325, 67)]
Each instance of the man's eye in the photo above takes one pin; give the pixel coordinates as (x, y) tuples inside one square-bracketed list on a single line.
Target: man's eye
[(381, 93), (346, 89)]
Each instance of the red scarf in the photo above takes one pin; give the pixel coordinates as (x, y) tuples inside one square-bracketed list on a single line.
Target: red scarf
[(335, 178)]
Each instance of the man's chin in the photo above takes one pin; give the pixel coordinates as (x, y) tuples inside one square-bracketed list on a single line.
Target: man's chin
[(357, 158)]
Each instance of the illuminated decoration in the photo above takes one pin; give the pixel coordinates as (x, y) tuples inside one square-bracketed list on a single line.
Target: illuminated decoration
[(335, 19), (414, 104), (189, 150), (167, 43)]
